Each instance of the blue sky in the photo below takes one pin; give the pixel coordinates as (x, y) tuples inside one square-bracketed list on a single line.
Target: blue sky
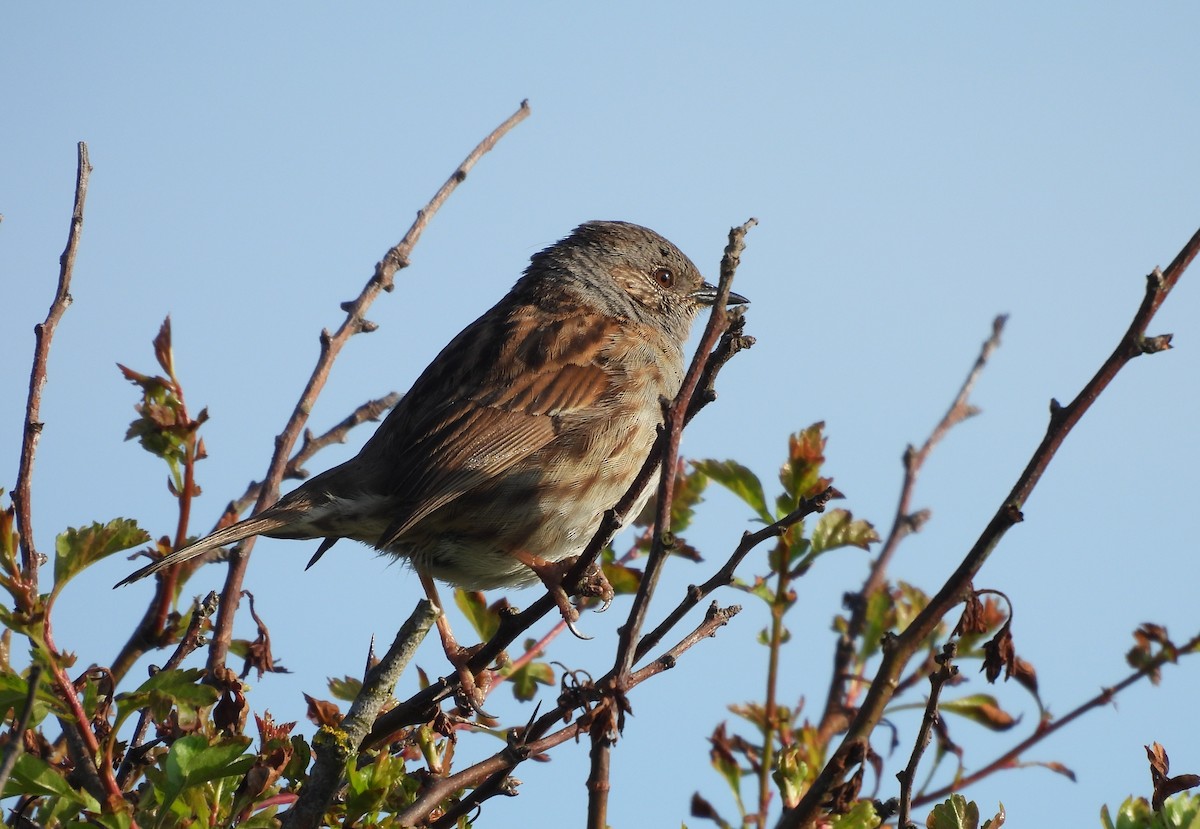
[(915, 171)]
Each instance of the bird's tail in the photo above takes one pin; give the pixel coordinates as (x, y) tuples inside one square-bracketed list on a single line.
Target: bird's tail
[(262, 524)]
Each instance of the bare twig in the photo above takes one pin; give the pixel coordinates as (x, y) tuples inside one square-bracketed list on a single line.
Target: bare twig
[(937, 680), (16, 742), (43, 335), (905, 521), (331, 345), (334, 746), (1133, 343)]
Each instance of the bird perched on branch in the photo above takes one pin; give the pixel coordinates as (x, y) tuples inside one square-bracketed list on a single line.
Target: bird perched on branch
[(499, 463)]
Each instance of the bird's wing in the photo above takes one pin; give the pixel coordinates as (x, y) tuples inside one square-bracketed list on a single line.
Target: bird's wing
[(475, 415)]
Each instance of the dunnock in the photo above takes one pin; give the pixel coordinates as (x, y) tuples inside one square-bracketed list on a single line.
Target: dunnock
[(532, 422)]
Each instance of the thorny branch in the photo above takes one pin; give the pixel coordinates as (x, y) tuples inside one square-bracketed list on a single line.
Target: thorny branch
[(1133, 343), (43, 335), (331, 345)]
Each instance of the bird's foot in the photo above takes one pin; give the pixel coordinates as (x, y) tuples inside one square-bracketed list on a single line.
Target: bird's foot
[(472, 687), (593, 584)]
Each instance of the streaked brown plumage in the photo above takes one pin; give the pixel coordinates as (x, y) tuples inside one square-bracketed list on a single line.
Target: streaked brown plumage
[(523, 430)]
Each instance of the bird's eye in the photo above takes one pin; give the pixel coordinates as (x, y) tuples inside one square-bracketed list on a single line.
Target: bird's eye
[(663, 277)]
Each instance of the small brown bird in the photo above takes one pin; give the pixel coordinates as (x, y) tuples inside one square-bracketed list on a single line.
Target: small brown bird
[(510, 446)]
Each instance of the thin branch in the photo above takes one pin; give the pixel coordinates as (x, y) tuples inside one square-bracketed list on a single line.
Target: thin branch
[(1133, 343), (937, 680), (334, 747), (905, 522), (43, 335), (16, 741), (1044, 729), (331, 345)]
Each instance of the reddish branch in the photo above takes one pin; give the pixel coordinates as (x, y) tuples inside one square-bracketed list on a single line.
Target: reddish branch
[(899, 650), (331, 345), (43, 335)]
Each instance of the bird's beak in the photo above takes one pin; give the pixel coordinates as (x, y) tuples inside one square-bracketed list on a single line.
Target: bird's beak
[(707, 295)]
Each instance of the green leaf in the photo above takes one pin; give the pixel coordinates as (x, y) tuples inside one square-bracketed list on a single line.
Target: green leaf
[(78, 548), (955, 813), (14, 690), (792, 775), (689, 486), (983, 709), (526, 679), (959, 813), (801, 473), (1182, 810), (861, 816), (346, 689), (624, 580), (474, 606), (35, 777), (192, 760), (740, 481), (178, 688), (837, 528), (110, 820)]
